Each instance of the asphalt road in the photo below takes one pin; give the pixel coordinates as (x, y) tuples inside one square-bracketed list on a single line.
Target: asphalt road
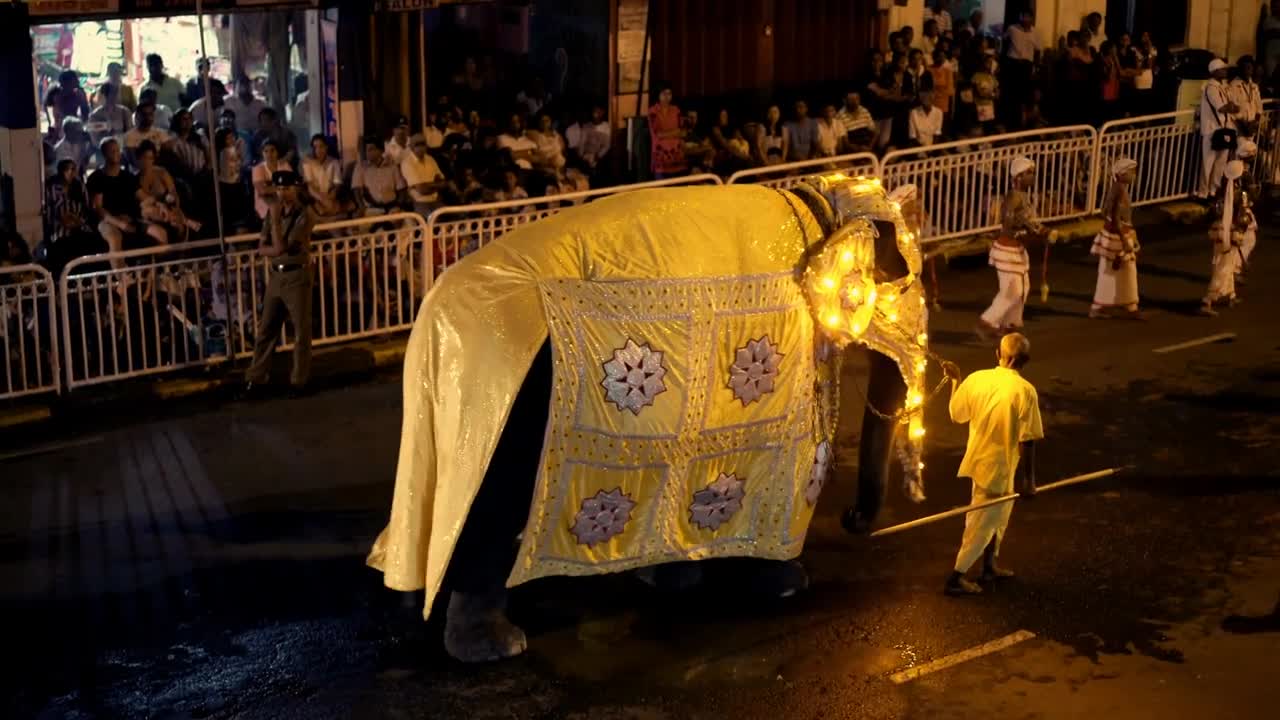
[(206, 560)]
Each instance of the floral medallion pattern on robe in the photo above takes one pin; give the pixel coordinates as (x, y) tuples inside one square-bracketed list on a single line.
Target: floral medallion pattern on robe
[(822, 457), (754, 370), (715, 504), (633, 378), (602, 517)]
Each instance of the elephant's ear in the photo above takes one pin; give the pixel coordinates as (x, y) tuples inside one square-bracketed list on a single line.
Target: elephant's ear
[(840, 282), (818, 205)]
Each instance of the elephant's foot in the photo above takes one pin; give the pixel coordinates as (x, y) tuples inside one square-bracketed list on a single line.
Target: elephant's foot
[(777, 578), (477, 629), (672, 577)]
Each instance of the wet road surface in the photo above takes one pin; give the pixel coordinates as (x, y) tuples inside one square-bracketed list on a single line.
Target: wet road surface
[(206, 560)]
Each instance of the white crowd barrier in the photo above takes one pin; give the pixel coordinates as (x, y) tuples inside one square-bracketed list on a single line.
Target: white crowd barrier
[(791, 174), (1266, 166), (961, 183), (28, 337), (1166, 148), (179, 306), (123, 315), (455, 231)]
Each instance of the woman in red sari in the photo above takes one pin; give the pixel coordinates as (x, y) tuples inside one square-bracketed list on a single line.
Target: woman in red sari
[(665, 134)]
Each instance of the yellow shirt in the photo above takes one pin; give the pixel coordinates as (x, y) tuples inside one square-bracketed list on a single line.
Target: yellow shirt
[(1002, 410)]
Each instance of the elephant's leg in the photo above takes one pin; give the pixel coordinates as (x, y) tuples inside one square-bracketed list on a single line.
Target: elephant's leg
[(885, 392), (476, 625)]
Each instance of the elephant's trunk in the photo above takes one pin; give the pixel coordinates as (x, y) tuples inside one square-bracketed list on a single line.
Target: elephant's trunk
[(886, 393)]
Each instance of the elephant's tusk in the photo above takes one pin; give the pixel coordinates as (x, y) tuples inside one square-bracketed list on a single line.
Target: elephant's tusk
[(965, 510)]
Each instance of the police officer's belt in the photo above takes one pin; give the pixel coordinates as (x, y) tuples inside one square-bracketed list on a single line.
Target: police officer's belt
[(286, 267)]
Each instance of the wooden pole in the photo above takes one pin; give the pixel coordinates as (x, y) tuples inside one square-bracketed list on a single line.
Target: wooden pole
[(926, 520)]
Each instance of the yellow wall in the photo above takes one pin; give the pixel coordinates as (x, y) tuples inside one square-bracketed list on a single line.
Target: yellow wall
[(1227, 27)]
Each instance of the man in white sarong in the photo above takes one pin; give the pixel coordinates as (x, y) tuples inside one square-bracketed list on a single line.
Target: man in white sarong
[(1228, 235), (1247, 151), (1008, 254), (1116, 246), (1003, 412), (1217, 112)]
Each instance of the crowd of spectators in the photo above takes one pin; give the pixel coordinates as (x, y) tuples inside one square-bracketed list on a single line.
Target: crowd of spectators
[(133, 169), (954, 80), (130, 168)]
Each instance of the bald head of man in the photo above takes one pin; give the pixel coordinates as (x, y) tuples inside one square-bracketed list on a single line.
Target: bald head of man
[(1015, 351)]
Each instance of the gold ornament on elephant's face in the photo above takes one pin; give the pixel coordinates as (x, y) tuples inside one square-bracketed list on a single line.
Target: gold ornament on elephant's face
[(855, 300)]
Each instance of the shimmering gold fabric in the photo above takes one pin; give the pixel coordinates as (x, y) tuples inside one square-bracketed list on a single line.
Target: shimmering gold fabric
[(691, 404)]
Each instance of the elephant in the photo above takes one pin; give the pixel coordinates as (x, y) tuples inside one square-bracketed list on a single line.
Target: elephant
[(647, 382)]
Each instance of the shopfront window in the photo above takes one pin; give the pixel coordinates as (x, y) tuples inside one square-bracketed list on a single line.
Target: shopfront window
[(190, 129)]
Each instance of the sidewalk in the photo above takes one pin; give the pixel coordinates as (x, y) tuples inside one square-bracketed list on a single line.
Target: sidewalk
[(330, 364)]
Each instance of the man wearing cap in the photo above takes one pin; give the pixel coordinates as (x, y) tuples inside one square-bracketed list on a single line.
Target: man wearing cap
[(1008, 254), (1002, 410), (1247, 97), (1228, 234), (1250, 191), (1216, 113), (422, 175), (285, 239), (1116, 246), (398, 145)]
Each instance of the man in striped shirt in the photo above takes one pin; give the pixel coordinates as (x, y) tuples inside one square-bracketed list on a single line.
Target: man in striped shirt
[(1009, 254), (858, 125)]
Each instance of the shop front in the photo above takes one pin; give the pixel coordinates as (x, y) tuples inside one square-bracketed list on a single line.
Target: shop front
[(282, 52)]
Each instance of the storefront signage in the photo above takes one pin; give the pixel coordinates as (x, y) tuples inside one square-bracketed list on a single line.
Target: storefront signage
[(412, 5), (41, 8), (79, 9)]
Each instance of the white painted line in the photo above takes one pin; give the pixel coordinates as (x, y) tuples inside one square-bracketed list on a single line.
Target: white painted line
[(1007, 641), (1193, 343), (52, 447)]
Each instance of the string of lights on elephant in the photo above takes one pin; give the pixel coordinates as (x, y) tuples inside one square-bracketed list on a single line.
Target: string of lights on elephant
[(852, 305)]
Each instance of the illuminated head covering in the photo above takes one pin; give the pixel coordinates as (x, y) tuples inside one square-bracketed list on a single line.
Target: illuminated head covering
[(1122, 166), (1021, 165), (1247, 149), (904, 194)]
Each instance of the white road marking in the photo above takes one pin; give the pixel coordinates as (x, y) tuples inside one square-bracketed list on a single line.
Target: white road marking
[(1193, 343), (943, 663)]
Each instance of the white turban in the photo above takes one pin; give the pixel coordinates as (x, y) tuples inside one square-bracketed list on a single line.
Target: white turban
[(1122, 166), (1247, 149), (1020, 165), (1217, 64), (903, 193)]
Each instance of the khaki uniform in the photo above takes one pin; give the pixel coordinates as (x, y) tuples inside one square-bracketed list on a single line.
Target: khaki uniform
[(288, 294)]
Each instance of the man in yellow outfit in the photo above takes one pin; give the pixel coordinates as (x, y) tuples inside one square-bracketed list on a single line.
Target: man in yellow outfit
[(1003, 412)]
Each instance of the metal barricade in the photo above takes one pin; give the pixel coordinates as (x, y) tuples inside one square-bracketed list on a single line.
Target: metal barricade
[(1266, 165), (790, 174), (455, 231), (28, 332), (1166, 148), (961, 183), (171, 307)]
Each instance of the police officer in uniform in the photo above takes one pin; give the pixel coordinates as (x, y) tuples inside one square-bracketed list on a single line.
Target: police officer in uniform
[(286, 235)]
